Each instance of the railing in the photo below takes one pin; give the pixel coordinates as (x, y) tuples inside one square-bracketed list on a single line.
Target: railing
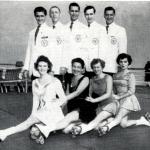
[(9, 76)]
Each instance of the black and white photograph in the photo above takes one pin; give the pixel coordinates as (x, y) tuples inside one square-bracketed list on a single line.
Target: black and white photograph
[(74, 75)]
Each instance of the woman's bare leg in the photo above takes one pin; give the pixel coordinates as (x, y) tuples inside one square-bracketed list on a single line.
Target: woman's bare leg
[(19, 128), (94, 123), (125, 122), (70, 117)]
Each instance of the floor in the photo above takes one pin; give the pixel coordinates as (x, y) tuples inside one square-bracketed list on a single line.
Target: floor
[(15, 108)]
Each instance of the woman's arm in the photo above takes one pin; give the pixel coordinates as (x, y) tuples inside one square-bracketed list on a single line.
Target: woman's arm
[(131, 87), (60, 92), (82, 86), (35, 99), (108, 93)]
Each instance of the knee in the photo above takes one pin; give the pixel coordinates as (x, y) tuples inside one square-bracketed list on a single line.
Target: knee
[(123, 124)]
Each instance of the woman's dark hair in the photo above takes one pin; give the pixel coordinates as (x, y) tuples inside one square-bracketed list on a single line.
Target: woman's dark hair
[(96, 61), (122, 56), (78, 60), (44, 59)]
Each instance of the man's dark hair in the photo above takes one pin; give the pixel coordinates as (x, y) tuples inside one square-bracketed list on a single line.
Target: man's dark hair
[(40, 9), (109, 8), (74, 4), (89, 7)]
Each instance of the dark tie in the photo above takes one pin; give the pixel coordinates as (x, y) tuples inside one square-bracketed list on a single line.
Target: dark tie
[(54, 27), (36, 32), (89, 25), (71, 25), (107, 28)]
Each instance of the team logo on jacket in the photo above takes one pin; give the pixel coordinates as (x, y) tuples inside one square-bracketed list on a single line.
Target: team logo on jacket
[(58, 40), (95, 41), (113, 40), (78, 38), (44, 43)]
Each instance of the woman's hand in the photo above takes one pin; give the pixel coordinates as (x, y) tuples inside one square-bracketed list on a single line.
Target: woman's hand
[(116, 97), (90, 99)]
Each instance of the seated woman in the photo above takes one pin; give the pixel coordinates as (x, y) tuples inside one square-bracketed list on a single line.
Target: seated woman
[(124, 88), (77, 91), (46, 107), (100, 95)]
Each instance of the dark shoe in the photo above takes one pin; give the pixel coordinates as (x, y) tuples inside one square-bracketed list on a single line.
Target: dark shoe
[(101, 130), (76, 130), (147, 116)]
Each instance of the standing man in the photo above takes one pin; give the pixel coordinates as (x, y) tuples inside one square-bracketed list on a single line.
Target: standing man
[(116, 41), (94, 38), (57, 40), (38, 43), (75, 36)]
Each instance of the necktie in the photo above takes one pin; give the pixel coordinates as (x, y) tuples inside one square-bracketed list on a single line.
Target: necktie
[(88, 25), (54, 27), (107, 28), (71, 25), (36, 33)]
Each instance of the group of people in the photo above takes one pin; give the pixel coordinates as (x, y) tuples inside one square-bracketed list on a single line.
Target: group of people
[(61, 43), (100, 102)]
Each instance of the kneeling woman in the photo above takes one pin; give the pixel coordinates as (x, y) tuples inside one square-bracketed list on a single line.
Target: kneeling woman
[(46, 107), (124, 88), (100, 97)]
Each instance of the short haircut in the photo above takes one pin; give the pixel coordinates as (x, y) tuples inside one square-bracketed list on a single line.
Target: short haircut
[(40, 9), (78, 60), (74, 4), (89, 7), (96, 61), (54, 7), (109, 8), (44, 59), (122, 56)]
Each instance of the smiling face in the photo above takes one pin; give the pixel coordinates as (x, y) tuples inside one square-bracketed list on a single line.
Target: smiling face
[(123, 63), (74, 13), (97, 68), (89, 15), (40, 17), (109, 16), (54, 14), (42, 68), (77, 68)]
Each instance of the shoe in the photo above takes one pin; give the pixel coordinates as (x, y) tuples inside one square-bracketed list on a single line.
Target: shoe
[(34, 132), (147, 116), (2, 136), (76, 130), (40, 139), (101, 130)]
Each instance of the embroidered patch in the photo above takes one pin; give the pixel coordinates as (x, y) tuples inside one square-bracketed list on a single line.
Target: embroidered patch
[(78, 38), (95, 41), (44, 43), (113, 40), (59, 40)]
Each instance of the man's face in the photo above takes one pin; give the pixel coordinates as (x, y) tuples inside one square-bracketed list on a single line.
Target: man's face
[(40, 17), (109, 16), (74, 13), (54, 14), (89, 15)]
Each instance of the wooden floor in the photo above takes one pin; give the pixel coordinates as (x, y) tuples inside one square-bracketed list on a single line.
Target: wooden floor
[(15, 108)]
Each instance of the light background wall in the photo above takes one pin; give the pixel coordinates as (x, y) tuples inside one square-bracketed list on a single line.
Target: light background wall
[(17, 19)]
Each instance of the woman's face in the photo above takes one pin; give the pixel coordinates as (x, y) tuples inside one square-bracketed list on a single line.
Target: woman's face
[(77, 68), (42, 67), (97, 68), (124, 63)]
